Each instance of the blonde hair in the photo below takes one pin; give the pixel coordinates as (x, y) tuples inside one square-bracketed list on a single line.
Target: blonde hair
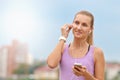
[(90, 37)]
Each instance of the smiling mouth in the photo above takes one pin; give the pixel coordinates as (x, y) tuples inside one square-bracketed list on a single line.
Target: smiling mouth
[(78, 33)]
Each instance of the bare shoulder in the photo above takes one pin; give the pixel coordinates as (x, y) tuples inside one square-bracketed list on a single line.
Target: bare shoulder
[(98, 53)]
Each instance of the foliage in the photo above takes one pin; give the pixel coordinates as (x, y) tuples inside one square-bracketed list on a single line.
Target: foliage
[(28, 69)]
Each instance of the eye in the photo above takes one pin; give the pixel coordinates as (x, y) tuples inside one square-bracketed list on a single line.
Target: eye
[(76, 22), (84, 24)]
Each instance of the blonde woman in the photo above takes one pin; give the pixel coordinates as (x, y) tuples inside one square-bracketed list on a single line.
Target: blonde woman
[(79, 60)]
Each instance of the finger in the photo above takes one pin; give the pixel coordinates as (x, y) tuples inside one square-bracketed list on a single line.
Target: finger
[(64, 26), (84, 68), (63, 29), (78, 68), (69, 27), (76, 72)]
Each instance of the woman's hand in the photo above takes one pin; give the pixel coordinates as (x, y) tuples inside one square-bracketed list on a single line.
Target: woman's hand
[(65, 29), (79, 70)]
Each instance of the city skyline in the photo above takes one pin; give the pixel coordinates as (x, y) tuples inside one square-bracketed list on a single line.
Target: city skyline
[(38, 23), (11, 56)]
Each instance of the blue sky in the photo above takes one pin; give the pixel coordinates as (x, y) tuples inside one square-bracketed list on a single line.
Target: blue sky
[(38, 23)]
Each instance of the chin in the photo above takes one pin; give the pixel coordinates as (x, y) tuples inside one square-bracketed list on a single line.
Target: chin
[(78, 36)]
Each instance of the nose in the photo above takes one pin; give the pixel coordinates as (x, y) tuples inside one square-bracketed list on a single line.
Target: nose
[(79, 27)]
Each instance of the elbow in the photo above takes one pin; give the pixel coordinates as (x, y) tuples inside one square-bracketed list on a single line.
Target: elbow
[(51, 64)]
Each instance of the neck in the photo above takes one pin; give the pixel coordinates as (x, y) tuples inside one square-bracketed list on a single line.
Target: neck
[(79, 43)]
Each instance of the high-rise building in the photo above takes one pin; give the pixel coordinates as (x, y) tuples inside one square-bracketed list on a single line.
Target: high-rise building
[(21, 51), (13, 55), (3, 61)]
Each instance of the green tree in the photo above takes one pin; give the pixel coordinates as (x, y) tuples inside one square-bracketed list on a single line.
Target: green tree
[(117, 77), (21, 69)]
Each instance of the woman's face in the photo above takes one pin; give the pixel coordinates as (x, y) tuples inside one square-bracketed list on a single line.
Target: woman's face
[(81, 26)]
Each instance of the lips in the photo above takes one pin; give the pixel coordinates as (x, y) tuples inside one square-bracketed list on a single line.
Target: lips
[(78, 33)]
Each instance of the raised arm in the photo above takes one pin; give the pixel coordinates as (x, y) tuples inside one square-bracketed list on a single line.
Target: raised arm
[(55, 56)]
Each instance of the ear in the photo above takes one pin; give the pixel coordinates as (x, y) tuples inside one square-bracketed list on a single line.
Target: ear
[(91, 30)]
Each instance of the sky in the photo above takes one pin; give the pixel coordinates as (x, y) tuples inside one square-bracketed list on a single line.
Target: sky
[(38, 23)]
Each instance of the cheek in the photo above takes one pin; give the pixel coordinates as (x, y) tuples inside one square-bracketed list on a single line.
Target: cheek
[(74, 26), (86, 31)]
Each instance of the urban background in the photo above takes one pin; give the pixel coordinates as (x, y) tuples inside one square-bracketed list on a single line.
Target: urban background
[(16, 63), (29, 30)]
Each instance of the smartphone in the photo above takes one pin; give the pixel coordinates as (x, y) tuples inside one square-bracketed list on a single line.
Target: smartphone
[(78, 64)]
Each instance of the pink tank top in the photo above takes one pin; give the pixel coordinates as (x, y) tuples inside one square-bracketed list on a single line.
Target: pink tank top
[(67, 62)]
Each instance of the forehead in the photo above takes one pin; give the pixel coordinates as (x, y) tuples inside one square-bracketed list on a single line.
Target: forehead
[(83, 18)]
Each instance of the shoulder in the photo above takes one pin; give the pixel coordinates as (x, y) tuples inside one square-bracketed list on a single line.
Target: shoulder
[(98, 53)]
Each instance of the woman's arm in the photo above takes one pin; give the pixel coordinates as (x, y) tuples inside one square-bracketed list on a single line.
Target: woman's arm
[(55, 57), (99, 64)]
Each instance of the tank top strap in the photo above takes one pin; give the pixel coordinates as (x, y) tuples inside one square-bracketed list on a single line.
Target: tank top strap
[(91, 52), (65, 51), (66, 47), (92, 49)]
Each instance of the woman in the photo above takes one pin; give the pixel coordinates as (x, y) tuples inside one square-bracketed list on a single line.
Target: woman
[(80, 50)]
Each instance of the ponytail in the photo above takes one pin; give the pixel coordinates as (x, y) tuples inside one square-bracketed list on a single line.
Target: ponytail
[(90, 38)]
